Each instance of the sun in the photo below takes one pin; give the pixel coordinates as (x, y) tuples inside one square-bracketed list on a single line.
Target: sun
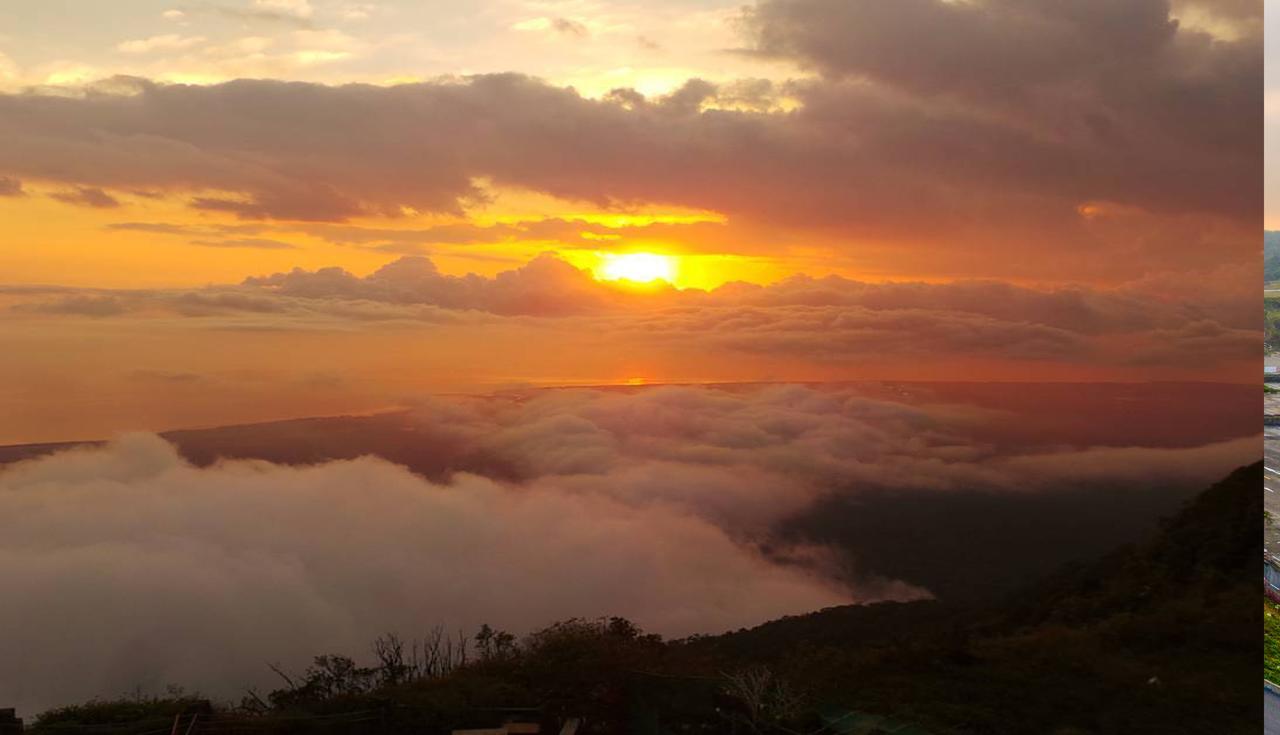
[(637, 267)]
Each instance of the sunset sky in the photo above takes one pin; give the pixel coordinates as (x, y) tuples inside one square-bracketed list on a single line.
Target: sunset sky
[(249, 209), (699, 312)]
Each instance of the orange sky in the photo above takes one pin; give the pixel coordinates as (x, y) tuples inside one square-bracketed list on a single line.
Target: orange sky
[(114, 258), (426, 210)]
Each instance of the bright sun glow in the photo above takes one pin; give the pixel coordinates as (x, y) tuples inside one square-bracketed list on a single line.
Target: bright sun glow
[(638, 267)]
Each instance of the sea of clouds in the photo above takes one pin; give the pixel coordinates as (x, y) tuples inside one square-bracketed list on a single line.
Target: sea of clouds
[(127, 566)]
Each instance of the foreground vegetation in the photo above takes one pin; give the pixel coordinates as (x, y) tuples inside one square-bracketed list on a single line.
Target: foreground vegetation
[(1159, 638), (1270, 277), (1270, 324), (1271, 641)]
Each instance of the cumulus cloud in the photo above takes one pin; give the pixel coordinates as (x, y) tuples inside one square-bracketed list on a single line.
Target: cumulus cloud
[(1227, 19), (998, 121), (748, 457), (417, 280), (650, 143), (546, 286), (1128, 65), (132, 567), (828, 320)]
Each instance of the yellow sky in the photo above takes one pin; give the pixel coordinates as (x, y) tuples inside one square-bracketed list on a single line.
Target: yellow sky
[(594, 46), (77, 245)]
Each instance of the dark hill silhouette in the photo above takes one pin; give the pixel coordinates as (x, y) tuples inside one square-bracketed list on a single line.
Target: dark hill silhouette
[(1157, 637)]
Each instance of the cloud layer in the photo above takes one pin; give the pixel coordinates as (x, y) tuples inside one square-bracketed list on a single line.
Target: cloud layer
[(133, 568), (129, 566), (818, 320), (1035, 134)]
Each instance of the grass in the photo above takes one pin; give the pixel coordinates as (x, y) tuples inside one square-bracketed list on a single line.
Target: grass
[(1271, 641)]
